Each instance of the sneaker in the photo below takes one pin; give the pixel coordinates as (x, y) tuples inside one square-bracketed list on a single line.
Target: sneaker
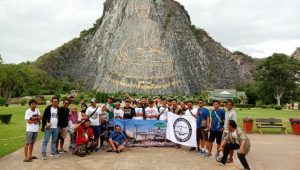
[(55, 156), (44, 158), (206, 155), (201, 152), (62, 151), (220, 161)]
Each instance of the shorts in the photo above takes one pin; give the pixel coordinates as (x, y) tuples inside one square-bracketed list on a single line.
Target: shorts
[(202, 134), (31, 137), (96, 131), (215, 135)]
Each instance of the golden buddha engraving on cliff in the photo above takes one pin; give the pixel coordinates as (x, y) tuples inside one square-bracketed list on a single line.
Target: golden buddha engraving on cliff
[(141, 56)]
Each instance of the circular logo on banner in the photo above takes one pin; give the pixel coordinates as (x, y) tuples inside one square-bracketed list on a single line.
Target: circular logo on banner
[(182, 130)]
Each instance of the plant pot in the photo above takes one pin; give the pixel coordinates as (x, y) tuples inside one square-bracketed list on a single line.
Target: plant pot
[(295, 124), (247, 126)]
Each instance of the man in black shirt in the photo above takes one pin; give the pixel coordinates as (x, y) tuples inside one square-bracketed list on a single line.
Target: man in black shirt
[(62, 124), (129, 112)]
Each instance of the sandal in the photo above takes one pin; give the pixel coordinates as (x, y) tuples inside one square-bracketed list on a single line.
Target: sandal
[(33, 157), (27, 160)]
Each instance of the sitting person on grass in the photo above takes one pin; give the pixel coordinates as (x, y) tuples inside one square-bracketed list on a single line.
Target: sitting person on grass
[(84, 139), (116, 140)]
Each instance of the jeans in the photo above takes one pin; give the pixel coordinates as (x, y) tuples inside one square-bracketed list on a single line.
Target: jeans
[(234, 146), (53, 133)]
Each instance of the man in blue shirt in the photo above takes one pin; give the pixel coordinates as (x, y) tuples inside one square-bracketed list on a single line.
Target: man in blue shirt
[(216, 128), (116, 140), (202, 127)]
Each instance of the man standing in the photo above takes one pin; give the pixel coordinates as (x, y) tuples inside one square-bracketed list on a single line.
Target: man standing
[(93, 112), (129, 112), (163, 110), (110, 107), (32, 117), (118, 111), (235, 140), (116, 140), (175, 108), (216, 128), (229, 115), (63, 124), (202, 127), (191, 111), (151, 112), (50, 127), (139, 111)]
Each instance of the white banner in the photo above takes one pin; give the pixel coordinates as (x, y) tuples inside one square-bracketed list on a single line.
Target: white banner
[(182, 129)]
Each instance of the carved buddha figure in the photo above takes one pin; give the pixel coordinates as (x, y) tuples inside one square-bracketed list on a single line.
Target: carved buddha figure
[(141, 55)]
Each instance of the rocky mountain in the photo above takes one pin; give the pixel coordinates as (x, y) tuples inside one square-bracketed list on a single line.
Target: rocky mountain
[(296, 54), (147, 46)]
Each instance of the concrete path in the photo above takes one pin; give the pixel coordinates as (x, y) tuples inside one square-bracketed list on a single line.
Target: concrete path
[(276, 152)]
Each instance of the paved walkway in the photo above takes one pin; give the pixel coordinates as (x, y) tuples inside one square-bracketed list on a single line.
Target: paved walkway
[(276, 152)]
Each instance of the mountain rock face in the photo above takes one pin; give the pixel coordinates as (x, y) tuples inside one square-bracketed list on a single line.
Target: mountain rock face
[(296, 54), (147, 46)]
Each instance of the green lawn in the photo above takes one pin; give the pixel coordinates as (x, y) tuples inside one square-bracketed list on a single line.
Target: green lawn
[(16, 129)]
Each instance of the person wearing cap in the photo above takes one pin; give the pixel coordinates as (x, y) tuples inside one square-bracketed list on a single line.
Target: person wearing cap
[(202, 127), (139, 111), (93, 112), (129, 112), (118, 111), (151, 112)]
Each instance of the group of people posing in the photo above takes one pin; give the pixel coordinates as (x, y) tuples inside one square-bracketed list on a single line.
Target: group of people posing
[(88, 128)]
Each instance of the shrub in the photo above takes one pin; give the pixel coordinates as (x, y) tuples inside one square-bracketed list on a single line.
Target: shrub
[(23, 102), (244, 105), (2, 101), (278, 108)]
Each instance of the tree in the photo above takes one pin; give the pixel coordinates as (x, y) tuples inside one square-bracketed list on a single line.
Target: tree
[(1, 60), (12, 79), (277, 76)]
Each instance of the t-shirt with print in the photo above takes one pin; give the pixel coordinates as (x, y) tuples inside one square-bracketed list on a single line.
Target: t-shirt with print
[(163, 111), (54, 117), (95, 117), (218, 118), (118, 113), (151, 111), (202, 114), (129, 112), (31, 115), (139, 110), (110, 107)]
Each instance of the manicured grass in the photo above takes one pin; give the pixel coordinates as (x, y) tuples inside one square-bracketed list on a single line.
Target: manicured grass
[(16, 129), (267, 113)]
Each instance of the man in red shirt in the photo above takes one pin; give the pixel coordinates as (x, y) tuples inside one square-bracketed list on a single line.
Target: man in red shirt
[(84, 139)]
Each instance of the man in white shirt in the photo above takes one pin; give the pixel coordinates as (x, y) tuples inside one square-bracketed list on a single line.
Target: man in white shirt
[(32, 117), (93, 112), (163, 110), (229, 115), (191, 111), (151, 112), (50, 127), (118, 111), (139, 111)]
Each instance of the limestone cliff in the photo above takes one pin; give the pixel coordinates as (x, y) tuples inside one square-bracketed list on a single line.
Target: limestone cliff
[(147, 46)]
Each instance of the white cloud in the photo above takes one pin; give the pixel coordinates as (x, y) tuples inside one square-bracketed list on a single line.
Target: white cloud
[(29, 28)]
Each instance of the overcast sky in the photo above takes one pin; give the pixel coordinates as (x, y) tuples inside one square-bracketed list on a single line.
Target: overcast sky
[(30, 28)]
